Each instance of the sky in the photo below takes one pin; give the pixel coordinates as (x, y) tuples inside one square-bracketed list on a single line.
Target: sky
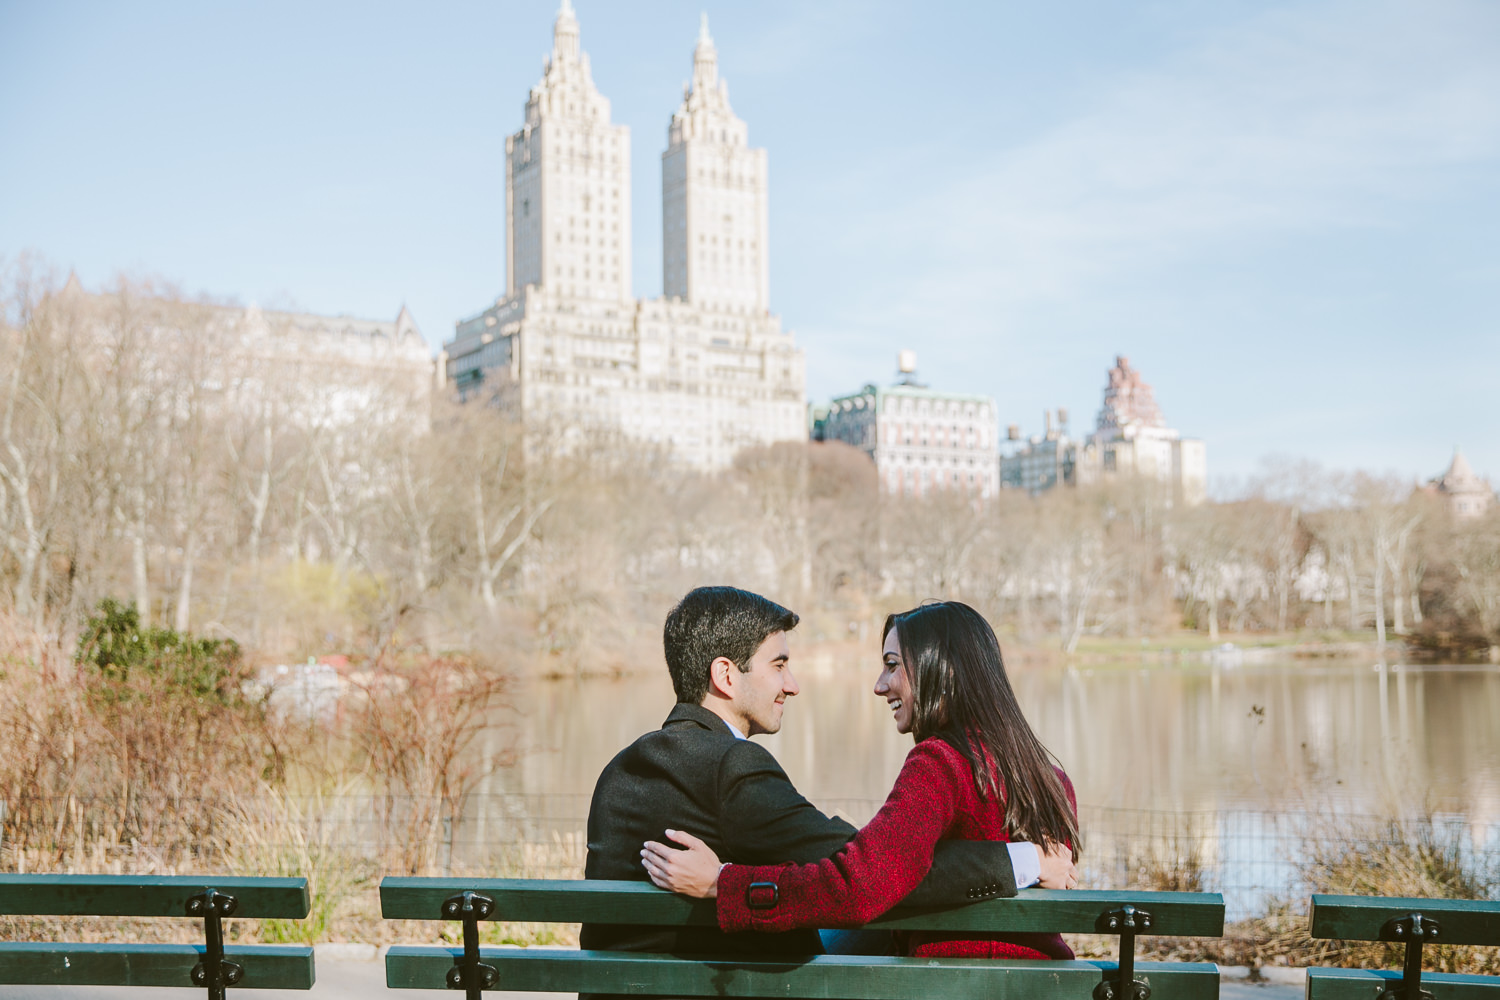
[(1287, 215)]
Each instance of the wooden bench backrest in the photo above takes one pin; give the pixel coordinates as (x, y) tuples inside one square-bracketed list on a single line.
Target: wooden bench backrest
[(585, 901), (1364, 918), (147, 895)]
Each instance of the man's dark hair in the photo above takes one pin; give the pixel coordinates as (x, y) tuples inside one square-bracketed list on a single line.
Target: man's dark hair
[(711, 622)]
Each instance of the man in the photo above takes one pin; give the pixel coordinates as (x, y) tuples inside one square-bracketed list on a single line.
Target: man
[(726, 650)]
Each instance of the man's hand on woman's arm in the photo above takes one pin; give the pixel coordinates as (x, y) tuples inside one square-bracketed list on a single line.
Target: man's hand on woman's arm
[(692, 870)]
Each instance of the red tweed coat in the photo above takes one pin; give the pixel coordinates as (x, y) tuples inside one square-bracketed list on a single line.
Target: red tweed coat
[(934, 799)]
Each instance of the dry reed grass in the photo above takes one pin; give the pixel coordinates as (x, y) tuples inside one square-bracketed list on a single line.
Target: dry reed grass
[(1418, 858), (156, 769)]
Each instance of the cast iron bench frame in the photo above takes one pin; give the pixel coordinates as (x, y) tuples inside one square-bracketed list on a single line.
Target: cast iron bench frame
[(212, 965), (474, 969), (1413, 922)]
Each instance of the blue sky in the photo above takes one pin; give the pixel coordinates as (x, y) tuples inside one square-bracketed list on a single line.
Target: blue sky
[(1286, 214)]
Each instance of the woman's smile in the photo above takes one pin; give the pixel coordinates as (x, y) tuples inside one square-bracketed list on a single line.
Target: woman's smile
[(894, 685)]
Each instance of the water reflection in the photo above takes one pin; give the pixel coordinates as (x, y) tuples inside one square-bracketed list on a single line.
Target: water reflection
[(1287, 737), (1219, 771)]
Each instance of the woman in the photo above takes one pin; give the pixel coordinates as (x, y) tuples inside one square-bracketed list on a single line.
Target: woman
[(977, 772)]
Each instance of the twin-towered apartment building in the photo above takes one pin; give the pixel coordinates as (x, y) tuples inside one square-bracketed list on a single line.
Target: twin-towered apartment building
[(705, 369)]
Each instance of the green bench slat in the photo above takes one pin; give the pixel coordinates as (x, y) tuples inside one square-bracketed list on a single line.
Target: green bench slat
[(146, 895), (1359, 918), (580, 901), (1362, 984), (272, 967), (824, 976)]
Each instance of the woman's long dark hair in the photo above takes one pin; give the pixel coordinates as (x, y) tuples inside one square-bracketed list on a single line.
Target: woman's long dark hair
[(962, 695)]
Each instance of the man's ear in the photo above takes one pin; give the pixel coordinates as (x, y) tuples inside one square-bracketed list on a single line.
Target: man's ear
[(721, 677)]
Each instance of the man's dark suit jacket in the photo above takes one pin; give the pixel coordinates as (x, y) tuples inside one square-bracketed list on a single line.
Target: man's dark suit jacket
[(693, 774)]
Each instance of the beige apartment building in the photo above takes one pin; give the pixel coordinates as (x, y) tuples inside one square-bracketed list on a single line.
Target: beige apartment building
[(921, 440)]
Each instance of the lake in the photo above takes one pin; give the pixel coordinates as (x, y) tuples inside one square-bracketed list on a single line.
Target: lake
[(1231, 751)]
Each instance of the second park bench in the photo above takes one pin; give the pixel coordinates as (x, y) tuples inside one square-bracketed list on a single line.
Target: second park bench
[(209, 900)]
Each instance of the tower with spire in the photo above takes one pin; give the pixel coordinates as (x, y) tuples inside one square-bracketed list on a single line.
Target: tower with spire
[(1465, 493), (567, 182), (714, 217)]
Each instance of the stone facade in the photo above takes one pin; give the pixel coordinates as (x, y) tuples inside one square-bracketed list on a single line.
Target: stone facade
[(921, 440), (317, 370), (1046, 460), (355, 368), (713, 192), (567, 183), (1130, 438), (705, 370)]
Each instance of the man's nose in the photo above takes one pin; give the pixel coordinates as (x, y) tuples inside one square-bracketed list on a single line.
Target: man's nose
[(789, 683)]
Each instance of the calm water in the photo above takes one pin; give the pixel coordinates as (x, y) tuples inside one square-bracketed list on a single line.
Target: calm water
[(1282, 737), (1229, 767)]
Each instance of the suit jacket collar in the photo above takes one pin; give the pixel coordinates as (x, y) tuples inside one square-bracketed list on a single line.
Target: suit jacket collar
[(698, 716)]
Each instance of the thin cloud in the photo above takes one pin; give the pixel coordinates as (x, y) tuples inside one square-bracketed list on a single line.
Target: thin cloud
[(1303, 121)]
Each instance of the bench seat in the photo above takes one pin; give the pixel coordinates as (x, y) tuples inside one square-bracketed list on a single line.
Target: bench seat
[(267, 967), (1365, 984), (856, 977)]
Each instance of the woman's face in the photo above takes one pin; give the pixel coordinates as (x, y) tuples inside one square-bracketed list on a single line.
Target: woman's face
[(894, 685)]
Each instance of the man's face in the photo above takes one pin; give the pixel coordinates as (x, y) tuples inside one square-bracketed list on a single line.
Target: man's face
[(761, 690)]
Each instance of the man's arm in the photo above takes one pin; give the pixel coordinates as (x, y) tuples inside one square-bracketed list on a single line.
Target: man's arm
[(764, 820), (964, 871)]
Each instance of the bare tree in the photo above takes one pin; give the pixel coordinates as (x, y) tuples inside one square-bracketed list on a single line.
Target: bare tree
[(1202, 541), (505, 507)]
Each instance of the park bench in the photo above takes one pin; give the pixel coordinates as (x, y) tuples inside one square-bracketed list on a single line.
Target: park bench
[(1413, 922), (212, 965), (474, 969)]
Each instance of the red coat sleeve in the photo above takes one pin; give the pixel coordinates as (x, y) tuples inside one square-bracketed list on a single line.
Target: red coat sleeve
[(873, 872)]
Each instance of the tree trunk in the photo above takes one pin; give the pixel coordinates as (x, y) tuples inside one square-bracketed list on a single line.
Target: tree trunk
[(482, 544), (1353, 584), (182, 619), (1327, 589), (1379, 597), (141, 578), (259, 501)]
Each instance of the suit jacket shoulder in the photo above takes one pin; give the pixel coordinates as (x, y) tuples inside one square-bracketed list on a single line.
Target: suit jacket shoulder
[(678, 777), (763, 819)]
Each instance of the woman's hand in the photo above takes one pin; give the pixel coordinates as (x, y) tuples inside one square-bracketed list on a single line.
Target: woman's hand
[(1058, 870), (692, 871)]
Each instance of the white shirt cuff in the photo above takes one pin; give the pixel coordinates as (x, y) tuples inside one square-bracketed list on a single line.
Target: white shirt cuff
[(1026, 860)]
